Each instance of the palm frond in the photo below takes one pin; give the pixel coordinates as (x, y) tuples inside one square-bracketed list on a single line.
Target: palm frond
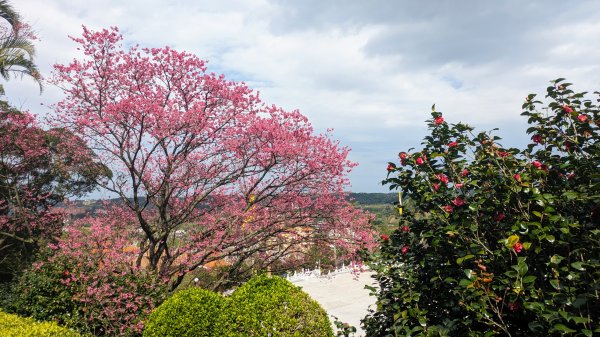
[(9, 14)]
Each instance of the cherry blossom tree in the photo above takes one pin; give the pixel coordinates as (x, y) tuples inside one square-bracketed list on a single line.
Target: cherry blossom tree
[(209, 171)]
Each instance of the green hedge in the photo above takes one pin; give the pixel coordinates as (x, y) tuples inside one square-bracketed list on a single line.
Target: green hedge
[(264, 306), (189, 313), (16, 326), (272, 305)]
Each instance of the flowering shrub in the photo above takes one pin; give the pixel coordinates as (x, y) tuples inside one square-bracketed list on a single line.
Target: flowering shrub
[(90, 282), (501, 241), (38, 168)]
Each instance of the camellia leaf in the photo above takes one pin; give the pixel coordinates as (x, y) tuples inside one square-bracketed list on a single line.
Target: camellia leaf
[(512, 240), (564, 328)]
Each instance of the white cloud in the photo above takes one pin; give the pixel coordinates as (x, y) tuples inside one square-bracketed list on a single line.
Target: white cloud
[(370, 70)]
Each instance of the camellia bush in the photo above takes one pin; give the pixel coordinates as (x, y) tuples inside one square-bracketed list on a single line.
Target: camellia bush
[(501, 241)]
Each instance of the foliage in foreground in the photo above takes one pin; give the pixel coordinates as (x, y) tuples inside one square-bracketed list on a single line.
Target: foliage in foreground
[(15, 326), (501, 241), (264, 306)]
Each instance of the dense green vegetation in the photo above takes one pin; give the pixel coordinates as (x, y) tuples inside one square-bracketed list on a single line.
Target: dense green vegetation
[(500, 241), (15, 326), (263, 306)]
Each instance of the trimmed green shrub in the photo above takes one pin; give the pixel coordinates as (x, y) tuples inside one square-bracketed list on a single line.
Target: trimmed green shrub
[(16, 326), (272, 306), (189, 313)]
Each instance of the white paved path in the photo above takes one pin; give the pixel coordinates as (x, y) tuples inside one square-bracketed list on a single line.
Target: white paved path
[(342, 295)]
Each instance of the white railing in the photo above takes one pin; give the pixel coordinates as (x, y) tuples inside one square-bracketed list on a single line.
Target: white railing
[(306, 274)]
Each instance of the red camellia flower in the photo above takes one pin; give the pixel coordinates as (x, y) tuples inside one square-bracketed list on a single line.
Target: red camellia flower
[(442, 177), (448, 209), (570, 176), (567, 109), (405, 229), (499, 216), (402, 155), (438, 120), (536, 139), (582, 118), (453, 144), (517, 177), (458, 202), (536, 164), (391, 167), (513, 306), (465, 172), (518, 247), (435, 186), (419, 161), (503, 154), (385, 237), (567, 146), (459, 185), (404, 250)]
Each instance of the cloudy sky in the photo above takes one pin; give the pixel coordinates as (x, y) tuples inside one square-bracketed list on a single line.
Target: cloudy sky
[(368, 69)]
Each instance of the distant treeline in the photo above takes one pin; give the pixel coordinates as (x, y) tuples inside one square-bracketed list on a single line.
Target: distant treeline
[(373, 198)]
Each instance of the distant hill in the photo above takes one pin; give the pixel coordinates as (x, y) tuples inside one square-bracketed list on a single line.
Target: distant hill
[(373, 198), (78, 208)]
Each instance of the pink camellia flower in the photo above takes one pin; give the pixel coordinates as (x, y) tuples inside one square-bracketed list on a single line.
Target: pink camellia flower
[(458, 185), (499, 216), (448, 208), (582, 118), (391, 167), (405, 229), (442, 177), (570, 176), (453, 144), (404, 250), (438, 120), (419, 161), (518, 247), (503, 154), (536, 139), (458, 202), (517, 177), (402, 155), (465, 172), (435, 186), (536, 164), (567, 109), (385, 237)]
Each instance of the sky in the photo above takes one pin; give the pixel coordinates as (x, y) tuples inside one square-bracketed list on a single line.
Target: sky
[(368, 69)]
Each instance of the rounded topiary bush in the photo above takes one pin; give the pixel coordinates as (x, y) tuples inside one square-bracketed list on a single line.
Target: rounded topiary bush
[(189, 313), (272, 306), (16, 326)]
